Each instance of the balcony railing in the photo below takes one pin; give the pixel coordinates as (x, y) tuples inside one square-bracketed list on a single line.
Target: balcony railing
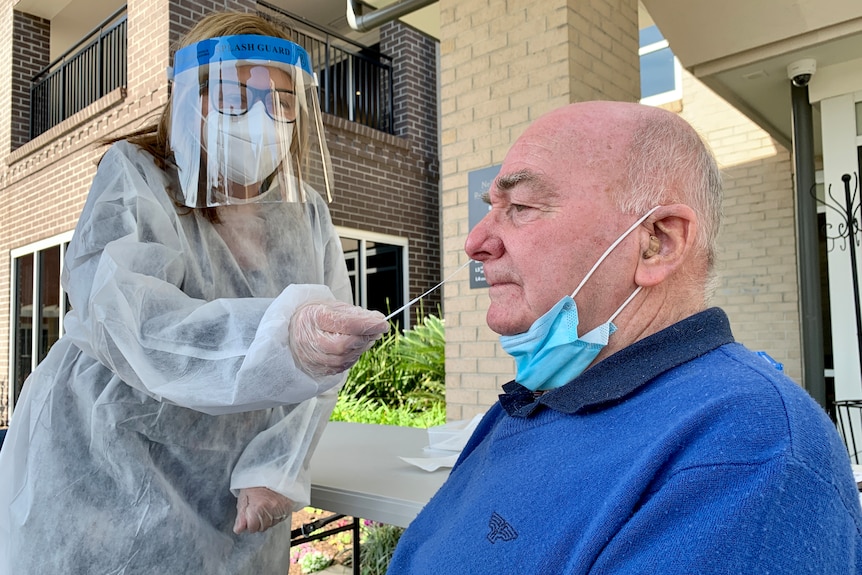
[(355, 81), (89, 70)]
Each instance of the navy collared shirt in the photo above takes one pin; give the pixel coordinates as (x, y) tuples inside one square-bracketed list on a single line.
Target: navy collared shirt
[(627, 370)]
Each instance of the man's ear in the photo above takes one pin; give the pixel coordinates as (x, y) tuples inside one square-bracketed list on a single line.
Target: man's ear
[(668, 247)]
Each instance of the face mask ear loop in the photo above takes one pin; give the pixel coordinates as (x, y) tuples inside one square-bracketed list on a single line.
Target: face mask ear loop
[(625, 303), (610, 249)]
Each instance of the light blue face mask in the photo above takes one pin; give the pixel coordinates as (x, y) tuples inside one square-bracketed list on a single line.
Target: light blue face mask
[(550, 354)]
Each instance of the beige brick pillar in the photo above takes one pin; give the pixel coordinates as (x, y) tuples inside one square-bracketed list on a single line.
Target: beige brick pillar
[(502, 64), (149, 22)]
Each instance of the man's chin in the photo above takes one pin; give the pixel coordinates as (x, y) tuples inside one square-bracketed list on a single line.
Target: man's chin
[(501, 322)]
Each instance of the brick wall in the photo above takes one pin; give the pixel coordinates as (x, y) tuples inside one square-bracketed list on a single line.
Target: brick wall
[(503, 65), (382, 187), (757, 245), (414, 62), (187, 13), (415, 210), (31, 47)]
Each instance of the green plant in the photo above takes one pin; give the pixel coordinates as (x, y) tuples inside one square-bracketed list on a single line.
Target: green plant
[(400, 379), (378, 545), (314, 561), (423, 352), (358, 411)]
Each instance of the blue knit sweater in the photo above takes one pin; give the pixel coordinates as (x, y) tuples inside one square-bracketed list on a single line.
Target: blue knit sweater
[(684, 453)]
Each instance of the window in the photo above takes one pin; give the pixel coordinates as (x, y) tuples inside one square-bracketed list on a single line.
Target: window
[(38, 300), (377, 266), (661, 74)]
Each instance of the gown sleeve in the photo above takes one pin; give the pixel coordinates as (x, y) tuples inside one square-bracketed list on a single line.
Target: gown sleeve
[(279, 457), (123, 272)]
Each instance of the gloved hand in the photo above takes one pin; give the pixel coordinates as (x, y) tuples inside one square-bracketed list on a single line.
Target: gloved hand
[(259, 508), (328, 337)]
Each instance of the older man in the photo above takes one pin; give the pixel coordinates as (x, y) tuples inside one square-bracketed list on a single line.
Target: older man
[(638, 437)]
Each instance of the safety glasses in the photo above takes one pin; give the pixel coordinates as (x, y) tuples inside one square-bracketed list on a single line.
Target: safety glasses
[(233, 98)]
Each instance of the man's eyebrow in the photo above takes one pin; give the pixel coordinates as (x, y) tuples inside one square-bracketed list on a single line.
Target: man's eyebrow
[(509, 181), (535, 184), (506, 182)]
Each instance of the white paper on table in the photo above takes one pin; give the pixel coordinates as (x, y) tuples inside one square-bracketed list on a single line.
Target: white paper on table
[(857, 476), (433, 463), (445, 443)]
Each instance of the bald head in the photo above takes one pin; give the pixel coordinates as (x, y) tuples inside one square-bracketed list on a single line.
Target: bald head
[(643, 156), (589, 136)]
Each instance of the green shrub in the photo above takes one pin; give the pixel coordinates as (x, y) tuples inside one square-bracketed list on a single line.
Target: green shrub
[(378, 545), (357, 411), (314, 561), (399, 381)]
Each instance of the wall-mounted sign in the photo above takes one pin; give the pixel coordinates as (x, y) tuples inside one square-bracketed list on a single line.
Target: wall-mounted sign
[(478, 183)]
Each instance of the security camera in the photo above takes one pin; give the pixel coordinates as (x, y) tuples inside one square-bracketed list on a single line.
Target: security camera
[(801, 71)]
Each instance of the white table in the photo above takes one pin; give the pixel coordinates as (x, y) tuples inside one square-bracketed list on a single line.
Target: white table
[(356, 471)]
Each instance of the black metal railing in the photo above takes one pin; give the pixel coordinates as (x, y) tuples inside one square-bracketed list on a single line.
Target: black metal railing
[(89, 70), (355, 81)]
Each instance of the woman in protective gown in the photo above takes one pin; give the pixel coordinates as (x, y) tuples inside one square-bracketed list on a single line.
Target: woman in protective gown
[(169, 430)]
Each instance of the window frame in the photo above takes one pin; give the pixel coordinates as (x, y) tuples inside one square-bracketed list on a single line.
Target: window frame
[(364, 237), (670, 95), (34, 249)]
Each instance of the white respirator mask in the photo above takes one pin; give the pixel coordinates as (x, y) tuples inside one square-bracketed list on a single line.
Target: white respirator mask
[(246, 149)]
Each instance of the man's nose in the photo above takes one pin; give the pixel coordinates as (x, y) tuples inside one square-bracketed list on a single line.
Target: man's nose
[(482, 242)]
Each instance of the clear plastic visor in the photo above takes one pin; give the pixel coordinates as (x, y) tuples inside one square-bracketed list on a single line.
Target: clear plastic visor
[(247, 128)]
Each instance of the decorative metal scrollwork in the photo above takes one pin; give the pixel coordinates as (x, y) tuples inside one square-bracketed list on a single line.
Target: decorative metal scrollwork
[(848, 211), (848, 228)]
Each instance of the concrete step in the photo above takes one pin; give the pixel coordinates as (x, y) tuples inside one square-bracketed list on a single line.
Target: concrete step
[(337, 570)]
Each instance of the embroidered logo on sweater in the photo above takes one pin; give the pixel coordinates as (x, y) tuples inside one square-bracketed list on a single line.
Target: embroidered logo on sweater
[(501, 530)]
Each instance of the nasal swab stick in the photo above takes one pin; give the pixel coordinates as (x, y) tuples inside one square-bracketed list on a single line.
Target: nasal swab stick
[(414, 300)]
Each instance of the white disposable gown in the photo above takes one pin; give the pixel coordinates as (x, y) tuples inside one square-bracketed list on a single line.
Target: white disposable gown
[(172, 388)]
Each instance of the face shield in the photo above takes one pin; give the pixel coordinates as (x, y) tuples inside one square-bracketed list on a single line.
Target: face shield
[(246, 123)]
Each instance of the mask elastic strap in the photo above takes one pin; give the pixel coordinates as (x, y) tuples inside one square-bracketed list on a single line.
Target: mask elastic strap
[(625, 234), (625, 303)]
